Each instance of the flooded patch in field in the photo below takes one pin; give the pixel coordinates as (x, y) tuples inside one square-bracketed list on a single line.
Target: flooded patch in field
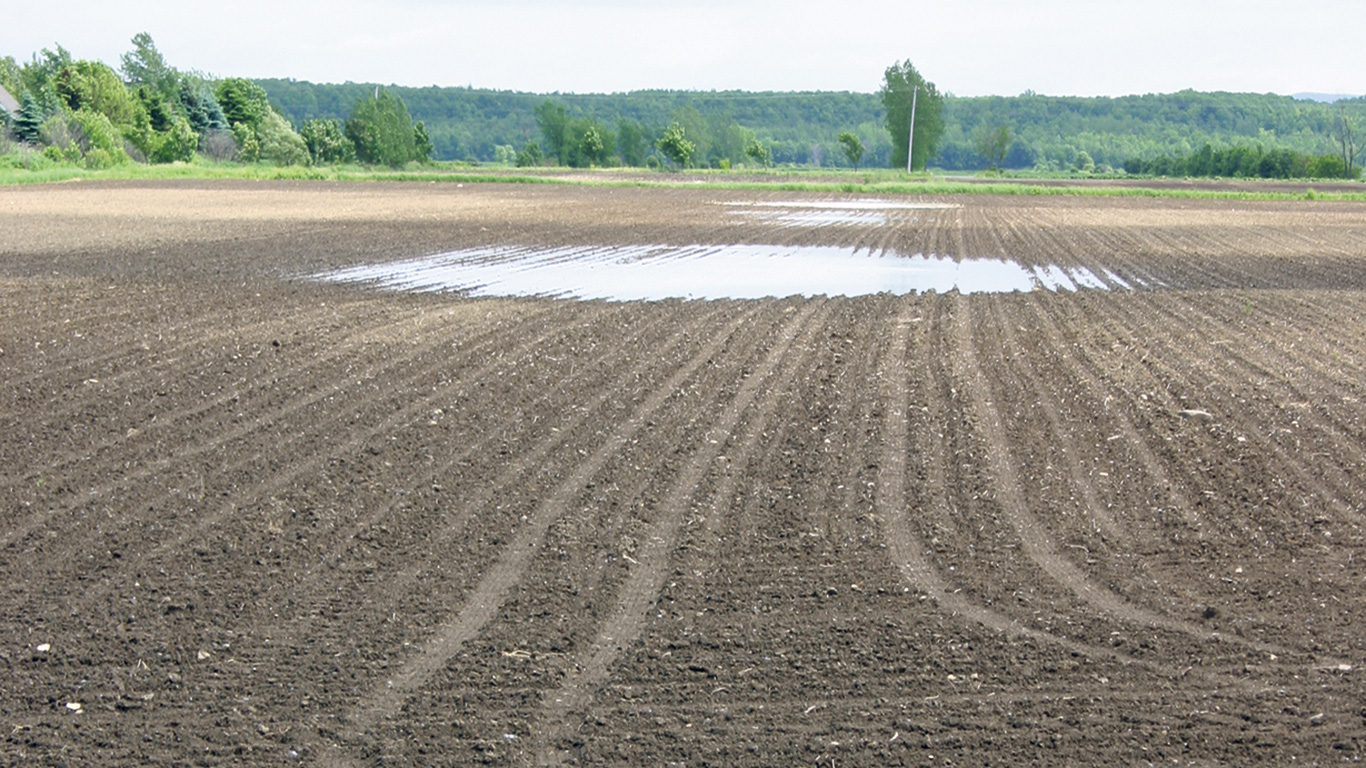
[(807, 213), (648, 273)]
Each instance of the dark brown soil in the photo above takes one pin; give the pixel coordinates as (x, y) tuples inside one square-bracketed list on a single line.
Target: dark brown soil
[(254, 519)]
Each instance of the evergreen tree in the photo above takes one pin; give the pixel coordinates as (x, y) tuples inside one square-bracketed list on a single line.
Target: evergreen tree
[(28, 124), (201, 108)]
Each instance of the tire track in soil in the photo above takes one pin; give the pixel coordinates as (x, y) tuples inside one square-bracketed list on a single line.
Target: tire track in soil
[(515, 471), (489, 338), (1010, 497), (1101, 519), (892, 501), (590, 667), (1085, 371), (487, 597)]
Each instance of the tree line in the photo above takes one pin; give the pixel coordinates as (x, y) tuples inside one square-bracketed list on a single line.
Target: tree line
[(1029, 131), (77, 111), (147, 111)]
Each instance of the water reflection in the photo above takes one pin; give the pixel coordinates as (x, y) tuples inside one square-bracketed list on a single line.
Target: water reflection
[(645, 273)]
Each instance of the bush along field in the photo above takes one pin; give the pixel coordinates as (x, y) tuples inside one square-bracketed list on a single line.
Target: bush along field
[(69, 113)]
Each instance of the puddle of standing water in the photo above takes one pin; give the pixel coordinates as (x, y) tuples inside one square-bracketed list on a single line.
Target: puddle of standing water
[(649, 273), (807, 213)]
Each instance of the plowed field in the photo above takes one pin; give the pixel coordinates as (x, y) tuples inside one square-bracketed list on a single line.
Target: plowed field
[(254, 518)]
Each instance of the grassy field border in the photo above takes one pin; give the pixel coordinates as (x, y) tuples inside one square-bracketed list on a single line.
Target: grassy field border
[(873, 182)]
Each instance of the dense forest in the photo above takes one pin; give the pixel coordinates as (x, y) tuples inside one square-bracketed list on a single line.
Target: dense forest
[(1049, 133), (485, 126)]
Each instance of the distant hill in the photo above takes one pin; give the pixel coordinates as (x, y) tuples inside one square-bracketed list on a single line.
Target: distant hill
[(1049, 132), (1325, 98)]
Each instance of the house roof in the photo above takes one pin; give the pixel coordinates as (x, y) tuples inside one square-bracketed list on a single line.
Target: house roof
[(8, 102)]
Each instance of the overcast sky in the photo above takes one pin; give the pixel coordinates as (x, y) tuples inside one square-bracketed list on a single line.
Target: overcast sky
[(973, 48)]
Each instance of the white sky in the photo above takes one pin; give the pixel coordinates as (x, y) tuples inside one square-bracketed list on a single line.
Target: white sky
[(973, 48)]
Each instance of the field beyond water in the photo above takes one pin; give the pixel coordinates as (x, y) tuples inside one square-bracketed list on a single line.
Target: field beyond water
[(248, 516)]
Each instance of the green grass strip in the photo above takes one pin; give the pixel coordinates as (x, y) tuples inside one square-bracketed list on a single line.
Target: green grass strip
[(875, 182)]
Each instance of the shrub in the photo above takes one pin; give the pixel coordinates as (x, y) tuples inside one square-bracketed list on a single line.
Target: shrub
[(100, 135), (248, 146), (177, 143), (279, 143), (1327, 167), (326, 143), (529, 156), (99, 159)]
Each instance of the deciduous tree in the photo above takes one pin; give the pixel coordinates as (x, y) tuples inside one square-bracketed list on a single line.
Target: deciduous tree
[(382, 130), (757, 152), (144, 65), (326, 142), (853, 148), (1346, 133), (422, 143), (992, 142), (242, 101), (898, 92), (675, 145)]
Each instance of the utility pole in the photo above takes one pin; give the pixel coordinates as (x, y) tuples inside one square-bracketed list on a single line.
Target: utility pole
[(910, 140)]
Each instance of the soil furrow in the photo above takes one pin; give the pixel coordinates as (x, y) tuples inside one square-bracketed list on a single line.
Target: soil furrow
[(487, 597), (893, 505), (1101, 521), (482, 342), (1009, 494), (1220, 399), (590, 667), (320, 352), (1083, 367), (453, 524)]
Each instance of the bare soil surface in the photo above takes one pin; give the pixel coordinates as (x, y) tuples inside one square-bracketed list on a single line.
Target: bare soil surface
[(248, 518)]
